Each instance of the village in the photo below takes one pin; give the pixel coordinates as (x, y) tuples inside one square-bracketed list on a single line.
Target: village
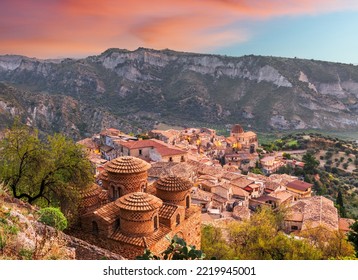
[(175, 180)]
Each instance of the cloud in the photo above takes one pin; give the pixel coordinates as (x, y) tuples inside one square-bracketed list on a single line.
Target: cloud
[(73, 27)]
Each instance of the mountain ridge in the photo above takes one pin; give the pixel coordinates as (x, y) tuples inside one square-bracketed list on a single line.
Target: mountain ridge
[(146, 86)]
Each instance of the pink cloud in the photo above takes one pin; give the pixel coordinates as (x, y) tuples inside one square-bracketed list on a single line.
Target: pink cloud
[(73, 27)]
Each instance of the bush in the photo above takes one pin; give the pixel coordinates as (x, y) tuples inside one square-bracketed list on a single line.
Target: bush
[(53, 217)]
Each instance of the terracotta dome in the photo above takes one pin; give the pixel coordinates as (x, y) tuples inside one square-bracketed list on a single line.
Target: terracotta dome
[(173, 183), (237, 129), (92, 190), (127, 165), (139, 201)]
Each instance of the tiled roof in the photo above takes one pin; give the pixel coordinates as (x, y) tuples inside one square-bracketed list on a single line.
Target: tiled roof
[(141, 241), (299, 185), (88, 143), (108, 212), (139, 201), (167, 210), (127, 165), (344, 224), (239, 191), (91, 190), (103, 176), (218, 198), (237, 129), (173, 183), (161, 147), (315, 211), (231, 175), (199, 194), (242, 182), (282, 195)]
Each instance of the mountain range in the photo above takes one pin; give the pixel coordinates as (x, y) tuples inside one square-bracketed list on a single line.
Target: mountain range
[(135, 90)]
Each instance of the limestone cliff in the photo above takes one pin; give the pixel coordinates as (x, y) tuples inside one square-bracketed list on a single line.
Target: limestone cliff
[(133, 90)]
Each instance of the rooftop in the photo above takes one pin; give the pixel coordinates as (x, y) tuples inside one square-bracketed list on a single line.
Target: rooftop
[(299, 185), (237, 129), (167, 210), (139, 201), (127, 165), (173, 183)]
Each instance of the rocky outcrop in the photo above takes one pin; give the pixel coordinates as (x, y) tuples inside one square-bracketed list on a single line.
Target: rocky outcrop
[(23, 237), (133, 90)]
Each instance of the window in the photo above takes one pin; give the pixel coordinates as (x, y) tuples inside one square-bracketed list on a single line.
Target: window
[(294, 227), (155, 222), (170, 159), (187, 200), (177, 220), (95, 228), (182, 159), (117, 224), (140, 152), (116, 193)]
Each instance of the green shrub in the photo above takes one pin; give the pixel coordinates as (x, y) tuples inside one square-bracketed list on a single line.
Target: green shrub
[(53, 217)]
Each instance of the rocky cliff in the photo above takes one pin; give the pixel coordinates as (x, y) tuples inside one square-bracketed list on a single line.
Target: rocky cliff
[(23, 237), (133, 90)]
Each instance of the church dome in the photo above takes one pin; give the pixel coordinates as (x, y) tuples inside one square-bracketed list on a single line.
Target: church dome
[(139, 201), (237, 129), (127, 165), (173, 183)]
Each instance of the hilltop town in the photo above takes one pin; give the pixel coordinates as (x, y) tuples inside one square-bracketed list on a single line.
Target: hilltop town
[(172, 182)]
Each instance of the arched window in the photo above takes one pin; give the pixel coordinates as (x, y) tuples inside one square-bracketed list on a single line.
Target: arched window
[(116, 193), (187, 201), (117, 224), (95, 228), (155, 222), (112, 191), (177, 219)]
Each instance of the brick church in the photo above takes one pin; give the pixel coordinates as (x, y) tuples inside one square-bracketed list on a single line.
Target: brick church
[(126, 216)]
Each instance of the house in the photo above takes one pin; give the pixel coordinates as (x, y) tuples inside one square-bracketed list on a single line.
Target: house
[(344, 225), (271, 164), (202, 198), (312, 212), (167, 136), (299, 189), (151, 150), (240, 195), (89, 145), (108, 152), (254, 190)]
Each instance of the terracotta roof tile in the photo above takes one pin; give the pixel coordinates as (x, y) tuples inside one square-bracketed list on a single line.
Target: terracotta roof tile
[(139, 201), (299, 185), (91, 190), (173, 183), (167, 210), (242, 182), (108, 212), (142, 241), (199, 194), (127, 165)]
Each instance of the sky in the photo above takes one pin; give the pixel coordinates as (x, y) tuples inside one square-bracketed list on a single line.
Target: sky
[(311, 29)]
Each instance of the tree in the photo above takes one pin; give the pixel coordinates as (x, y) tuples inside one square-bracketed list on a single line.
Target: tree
[(46, 173), (311, 163), (214, 244), (260, 238), (340, 204), (177, 250), (332, 244), (53, 217), (353, 236)]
